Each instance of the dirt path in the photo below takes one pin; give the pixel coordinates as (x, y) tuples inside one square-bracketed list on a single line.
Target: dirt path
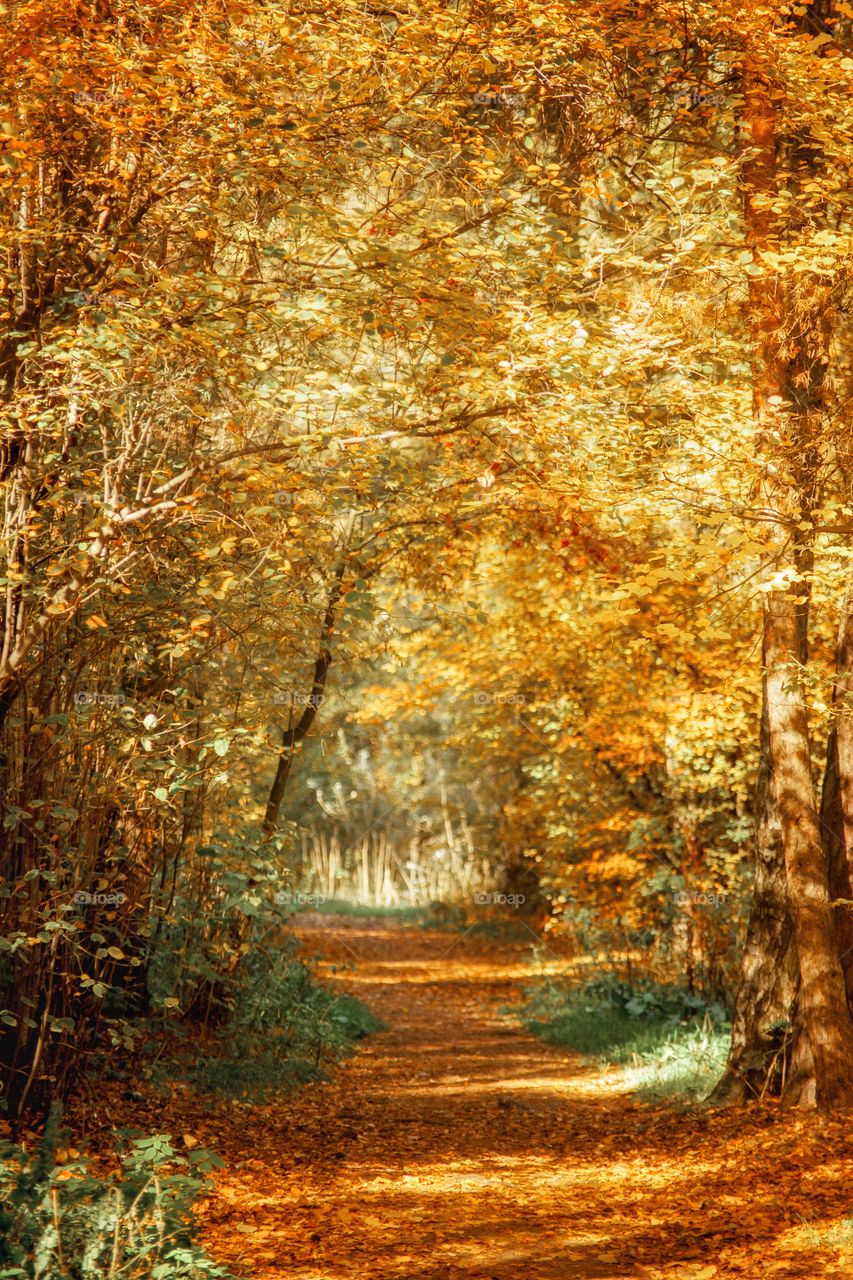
[(452, 1147)]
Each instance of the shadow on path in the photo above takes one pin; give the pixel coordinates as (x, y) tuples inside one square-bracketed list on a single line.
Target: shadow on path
[(454, 1147)]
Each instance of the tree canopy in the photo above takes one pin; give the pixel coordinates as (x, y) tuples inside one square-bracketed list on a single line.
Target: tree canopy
[(442, 409)]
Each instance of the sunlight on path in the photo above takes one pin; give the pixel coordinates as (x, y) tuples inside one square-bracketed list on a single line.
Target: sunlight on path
[(454, 1147)]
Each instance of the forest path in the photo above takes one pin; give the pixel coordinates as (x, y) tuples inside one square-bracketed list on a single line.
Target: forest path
[(454, 1147)]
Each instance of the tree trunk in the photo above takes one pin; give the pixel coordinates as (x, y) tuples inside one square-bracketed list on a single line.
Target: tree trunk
[(822, 1011), (764, 1008), (291, 737), (788, 400), (838, 864), (837, 800)]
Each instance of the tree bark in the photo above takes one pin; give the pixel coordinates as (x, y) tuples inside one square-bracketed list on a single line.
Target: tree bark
[(291, 737), (837, 800), (764, 1007), (822, 1011), (790, 357)]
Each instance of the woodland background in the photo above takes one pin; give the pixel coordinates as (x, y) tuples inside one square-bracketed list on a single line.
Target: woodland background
[(426, 462)]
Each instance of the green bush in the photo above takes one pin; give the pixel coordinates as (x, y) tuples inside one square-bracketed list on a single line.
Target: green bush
[(61, 1223), (688, 1062), (283, 1030), (231, 969), (671, 1040)]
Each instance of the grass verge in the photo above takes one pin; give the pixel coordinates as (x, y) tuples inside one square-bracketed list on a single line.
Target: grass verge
[(670, 1043), (284, 1030)]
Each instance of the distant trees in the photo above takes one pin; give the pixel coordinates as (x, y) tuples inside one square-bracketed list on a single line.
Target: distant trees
[(506, 351)]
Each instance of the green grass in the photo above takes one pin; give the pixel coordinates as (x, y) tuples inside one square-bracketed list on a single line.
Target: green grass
[(284, 1030), (431, 916), (344, 907), (685, 1064), (670, 1043), (509, 931)]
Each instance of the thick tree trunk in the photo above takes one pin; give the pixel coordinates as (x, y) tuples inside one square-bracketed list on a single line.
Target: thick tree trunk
[(788, 400), (837, 800), (822, 1013), (839, 876), (764, 1008)]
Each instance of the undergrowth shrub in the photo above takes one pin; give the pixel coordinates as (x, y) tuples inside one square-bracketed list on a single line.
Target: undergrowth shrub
[(284, 1029), (688, 1062), (59, 1222), (670, 1040), (232, 975)]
